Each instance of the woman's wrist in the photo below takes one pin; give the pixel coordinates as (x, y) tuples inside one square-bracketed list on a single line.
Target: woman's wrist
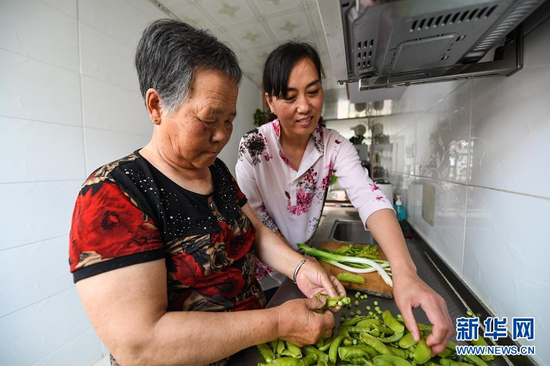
[(297, 270)]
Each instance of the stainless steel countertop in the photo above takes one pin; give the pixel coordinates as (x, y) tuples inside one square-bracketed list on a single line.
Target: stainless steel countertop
[(426, 269)]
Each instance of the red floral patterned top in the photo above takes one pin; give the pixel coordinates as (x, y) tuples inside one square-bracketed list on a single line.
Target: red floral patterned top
[(128, 212)]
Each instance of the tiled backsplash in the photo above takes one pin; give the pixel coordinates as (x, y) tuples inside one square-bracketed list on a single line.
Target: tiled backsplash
[(485, 146)]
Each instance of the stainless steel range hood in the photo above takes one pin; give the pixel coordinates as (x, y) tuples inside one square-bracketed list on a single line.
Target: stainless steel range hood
[(402, 42)]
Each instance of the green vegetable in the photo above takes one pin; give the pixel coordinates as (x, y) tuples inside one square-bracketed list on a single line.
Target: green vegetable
[(475, 360), (353, 352), (285, 361), (309, 360), (293, 350), (407, 341), (333, 350), (332, 302), (375, 343), (390, 360), (392, 322), (320, 355), (422, 353), (346, 259), (266, 352)]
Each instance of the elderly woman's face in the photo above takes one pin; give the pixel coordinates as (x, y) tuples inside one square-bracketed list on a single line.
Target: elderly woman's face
[(201, 126)]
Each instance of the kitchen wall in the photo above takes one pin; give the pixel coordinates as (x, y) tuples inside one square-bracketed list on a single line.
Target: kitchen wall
[(483, 146), (69, 102)]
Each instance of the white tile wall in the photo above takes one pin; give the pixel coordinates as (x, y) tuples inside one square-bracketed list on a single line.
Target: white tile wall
[(23, 285), (35, 90), (249, 100), (484, 145), (34, 212), (86, 348), (66, 6), (58, 157), (127, 114), (105, 16), (506, 252), (69, 102), (38, 31), (106, 58), (38, 330), (511, 131)]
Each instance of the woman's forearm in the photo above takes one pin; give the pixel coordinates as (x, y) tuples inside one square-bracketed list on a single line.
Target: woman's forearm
[(386, 231), (275, 252), (197, 338)]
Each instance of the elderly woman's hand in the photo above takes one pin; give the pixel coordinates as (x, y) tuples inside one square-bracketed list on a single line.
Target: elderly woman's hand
[(410, 292), (300, 324), (312, 278)]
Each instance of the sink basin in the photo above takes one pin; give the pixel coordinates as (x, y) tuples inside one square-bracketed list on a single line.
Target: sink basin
[(351, 231)]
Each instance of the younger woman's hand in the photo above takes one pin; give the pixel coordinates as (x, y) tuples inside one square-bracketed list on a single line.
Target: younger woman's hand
[(312, 278)]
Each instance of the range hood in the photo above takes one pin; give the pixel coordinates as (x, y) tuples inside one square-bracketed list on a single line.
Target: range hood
[(382, 44)]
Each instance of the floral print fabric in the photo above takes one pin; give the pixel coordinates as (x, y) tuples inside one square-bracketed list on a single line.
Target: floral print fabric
[(290, 199)]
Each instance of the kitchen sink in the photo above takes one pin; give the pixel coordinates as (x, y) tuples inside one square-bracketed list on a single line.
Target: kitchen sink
[(351, 231)]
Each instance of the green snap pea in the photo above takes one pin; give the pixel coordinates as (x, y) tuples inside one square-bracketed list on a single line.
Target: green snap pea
[(447, 362), (333, 350), (407, 341), (309, 360), (293, 350), (422, 353), (320, 355), (273, 344), (280, 346), (446, 353), (398, 352), (266, 352), (475, 360), (326, 344), (350, 277), (369, 323), (285, 361), (352, 352), (390, 360), (375, 343), (392, 338), (354, 321), (392, 322), (347, 342), (431, 363)]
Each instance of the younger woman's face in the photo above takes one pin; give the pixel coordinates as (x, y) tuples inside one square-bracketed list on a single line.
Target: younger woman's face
[(300, 110)]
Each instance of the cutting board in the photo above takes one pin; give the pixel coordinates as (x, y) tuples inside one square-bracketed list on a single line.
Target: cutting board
[(374, 284)]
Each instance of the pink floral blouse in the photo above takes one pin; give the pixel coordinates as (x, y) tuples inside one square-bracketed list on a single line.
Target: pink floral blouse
[(291, 201)]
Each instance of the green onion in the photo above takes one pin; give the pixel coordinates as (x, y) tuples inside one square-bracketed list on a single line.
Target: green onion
[(342, 258)]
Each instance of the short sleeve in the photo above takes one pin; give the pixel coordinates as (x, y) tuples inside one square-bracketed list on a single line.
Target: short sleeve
[(109, 231)]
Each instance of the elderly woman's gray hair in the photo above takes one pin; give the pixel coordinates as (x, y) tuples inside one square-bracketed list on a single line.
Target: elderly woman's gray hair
[(169, 53)]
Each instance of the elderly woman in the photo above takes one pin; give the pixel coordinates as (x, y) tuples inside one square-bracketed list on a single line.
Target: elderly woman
[(163, 241), (285, 167)]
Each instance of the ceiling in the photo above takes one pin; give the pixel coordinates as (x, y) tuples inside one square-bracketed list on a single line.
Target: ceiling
[(253, 28)]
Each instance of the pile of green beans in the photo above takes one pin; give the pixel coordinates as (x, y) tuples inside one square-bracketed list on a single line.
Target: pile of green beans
[(375, 339)]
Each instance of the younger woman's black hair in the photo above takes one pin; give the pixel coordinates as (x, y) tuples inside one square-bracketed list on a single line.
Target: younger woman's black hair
[(280, 62)]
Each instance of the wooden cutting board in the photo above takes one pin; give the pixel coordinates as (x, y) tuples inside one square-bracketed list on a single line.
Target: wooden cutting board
[(374, 284)]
